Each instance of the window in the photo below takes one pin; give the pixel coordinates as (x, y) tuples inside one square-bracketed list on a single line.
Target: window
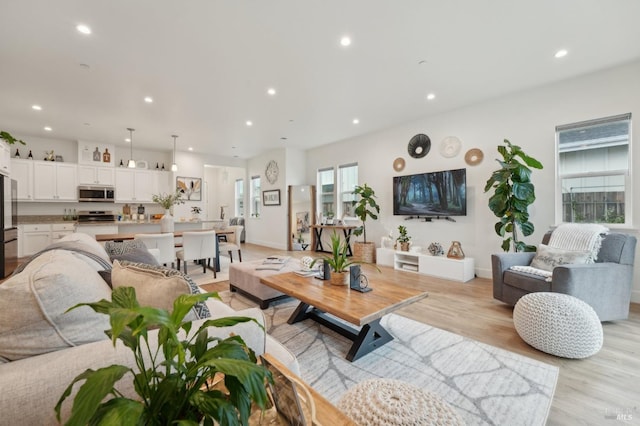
[(239, 197), (348, 179), (329, 199), (593, 170), (325, 194), (255, 196)]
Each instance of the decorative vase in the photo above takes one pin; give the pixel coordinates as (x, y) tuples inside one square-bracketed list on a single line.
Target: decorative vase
[(404, 246), (166, 223), (455, 251), (339, 278)]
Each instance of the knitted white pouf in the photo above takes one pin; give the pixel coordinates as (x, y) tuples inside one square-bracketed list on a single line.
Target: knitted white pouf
[(558, 324), (393, 402)]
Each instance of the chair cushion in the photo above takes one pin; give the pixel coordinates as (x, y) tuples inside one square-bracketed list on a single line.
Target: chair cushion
[(33, 305), (547, 258), (157, 286), (525, 281)]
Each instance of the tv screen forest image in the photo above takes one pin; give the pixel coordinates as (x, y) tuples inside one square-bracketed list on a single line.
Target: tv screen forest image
[(431, 194)]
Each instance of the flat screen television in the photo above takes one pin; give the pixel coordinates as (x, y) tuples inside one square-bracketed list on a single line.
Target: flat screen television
[(431, 194)]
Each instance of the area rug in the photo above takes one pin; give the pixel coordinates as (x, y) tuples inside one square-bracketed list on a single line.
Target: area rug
[(200, 278), (485, 384)]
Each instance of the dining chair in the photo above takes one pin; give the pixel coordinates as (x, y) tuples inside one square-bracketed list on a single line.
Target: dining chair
[(199, 246), (233, 242), (162, 244)]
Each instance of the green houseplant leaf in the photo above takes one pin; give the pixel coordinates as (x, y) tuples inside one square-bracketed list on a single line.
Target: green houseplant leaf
[(366, 207), (171, 377), (513, 193)]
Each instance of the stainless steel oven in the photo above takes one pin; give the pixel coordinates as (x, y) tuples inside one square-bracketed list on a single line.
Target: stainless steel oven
[(100, 194)]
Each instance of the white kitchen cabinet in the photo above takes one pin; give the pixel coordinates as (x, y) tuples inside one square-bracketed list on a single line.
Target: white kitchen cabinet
[(33, 238), (93, 175), (22, 171), (164, 183), (61, 230), (5, 159), (55, 181), (135, 185)]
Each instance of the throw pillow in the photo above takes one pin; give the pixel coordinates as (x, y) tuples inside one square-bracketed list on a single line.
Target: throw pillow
[(116, 248), (33, 305), (157, 286), (547, 258), (137, 255)]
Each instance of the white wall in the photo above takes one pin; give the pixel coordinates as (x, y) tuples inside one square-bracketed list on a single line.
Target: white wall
[(527, 119), (270, 229)]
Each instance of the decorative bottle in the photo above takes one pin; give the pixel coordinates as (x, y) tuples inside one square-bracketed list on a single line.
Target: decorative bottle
[(30, 156), (17, 153), (106, 157), (121, 163)]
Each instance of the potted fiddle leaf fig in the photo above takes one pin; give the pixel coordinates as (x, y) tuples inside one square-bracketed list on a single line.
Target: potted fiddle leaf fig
[(513, 193), (366, 207), (173, 378)]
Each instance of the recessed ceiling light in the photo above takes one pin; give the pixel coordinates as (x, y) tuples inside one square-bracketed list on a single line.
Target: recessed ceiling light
[(233, 147), (235, 156), (345, 41), (190, 148), (249, 123), (271, 91), (283, 138), (148, 99), (431, 96), (47, 128), (85, 66), (127, 140), (356, 121), (83, 29), (36, 107), (561, 53)]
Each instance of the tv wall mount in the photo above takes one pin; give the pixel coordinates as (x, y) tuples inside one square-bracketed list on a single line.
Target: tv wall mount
[(430, 218)]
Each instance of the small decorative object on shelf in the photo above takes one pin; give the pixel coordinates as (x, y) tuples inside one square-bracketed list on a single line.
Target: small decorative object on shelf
[(50, 156), (455, 251), (403, 239), (121, 163), (436, 249), (30, 156), (97, 156), (106, 157), (162, 166), (157, 165), (17, 153)]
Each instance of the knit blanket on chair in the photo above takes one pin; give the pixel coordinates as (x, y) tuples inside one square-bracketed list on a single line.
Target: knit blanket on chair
[(579, 236)]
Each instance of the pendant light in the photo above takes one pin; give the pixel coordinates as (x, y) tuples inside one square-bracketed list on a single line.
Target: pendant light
[(174, 166), (132, 163)]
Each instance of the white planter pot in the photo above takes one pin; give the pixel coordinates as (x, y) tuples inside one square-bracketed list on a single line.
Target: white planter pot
[(166, 223)]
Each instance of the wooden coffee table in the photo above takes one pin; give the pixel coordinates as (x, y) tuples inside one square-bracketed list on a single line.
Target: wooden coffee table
[(319, 298)]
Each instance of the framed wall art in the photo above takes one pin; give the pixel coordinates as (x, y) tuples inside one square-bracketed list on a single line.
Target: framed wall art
[(271, 198), (191, 188)]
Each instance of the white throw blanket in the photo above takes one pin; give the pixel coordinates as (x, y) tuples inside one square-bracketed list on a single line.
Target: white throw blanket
[(579, 236)]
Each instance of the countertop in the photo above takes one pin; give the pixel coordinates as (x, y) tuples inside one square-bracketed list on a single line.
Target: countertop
[(26, 220)]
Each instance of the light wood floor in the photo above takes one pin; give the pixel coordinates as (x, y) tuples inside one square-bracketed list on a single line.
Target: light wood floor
[(587, 390)]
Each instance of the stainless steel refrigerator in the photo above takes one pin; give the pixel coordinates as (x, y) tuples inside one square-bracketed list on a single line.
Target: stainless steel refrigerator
[(9, 217)]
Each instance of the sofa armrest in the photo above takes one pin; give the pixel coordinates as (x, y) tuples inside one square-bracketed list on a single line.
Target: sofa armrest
[(501, 262), (252, 334), (605, 286)]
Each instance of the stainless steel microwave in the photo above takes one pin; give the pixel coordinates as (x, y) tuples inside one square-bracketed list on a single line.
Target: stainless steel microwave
[(97, 194)]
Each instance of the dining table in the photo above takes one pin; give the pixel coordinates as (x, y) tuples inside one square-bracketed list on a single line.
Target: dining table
[(177, 234)]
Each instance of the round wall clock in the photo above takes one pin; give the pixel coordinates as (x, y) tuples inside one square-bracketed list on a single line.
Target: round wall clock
[(272, 171)]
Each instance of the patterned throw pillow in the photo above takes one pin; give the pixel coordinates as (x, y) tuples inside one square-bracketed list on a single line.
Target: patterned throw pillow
[(117, 248), (157, 286), (548, 258)]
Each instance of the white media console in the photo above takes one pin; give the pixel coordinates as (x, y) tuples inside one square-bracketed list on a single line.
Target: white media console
[(437, 266)]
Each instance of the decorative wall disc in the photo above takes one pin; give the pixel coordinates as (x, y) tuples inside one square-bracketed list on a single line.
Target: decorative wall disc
[(398, 164), (450, 146), (474, 156), (419, 145)]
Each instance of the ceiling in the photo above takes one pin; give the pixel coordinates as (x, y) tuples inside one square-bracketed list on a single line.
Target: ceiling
[(207, 64)]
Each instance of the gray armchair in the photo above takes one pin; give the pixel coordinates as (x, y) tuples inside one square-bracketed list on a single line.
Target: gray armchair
[(605, 285)]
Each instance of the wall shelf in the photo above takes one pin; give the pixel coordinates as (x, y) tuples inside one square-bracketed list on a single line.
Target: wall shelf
[(436, 266)]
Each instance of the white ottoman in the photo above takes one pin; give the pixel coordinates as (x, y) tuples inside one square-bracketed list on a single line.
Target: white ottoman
[(394, 402), (558, 324)]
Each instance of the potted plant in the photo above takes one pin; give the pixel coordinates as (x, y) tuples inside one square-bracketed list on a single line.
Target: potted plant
[(513, 193), (366, 207), (403, 238), (167, 201), (173, 380), (339, 261)]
